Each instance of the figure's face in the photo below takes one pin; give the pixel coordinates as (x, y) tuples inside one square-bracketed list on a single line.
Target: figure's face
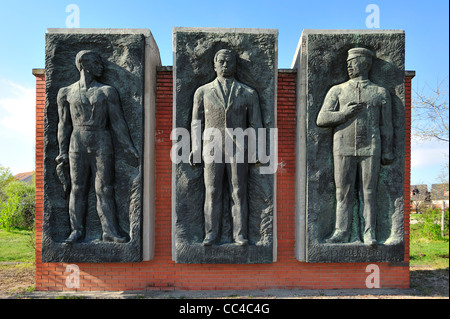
[(225, 65), (358, 66), (92, 64), (354, 68)]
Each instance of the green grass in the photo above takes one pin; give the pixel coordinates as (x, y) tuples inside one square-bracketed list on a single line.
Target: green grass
[(15, 246), (425, 251), (434, 254)]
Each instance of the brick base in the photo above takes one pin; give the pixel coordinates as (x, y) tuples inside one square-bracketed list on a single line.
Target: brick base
[(163, 274)]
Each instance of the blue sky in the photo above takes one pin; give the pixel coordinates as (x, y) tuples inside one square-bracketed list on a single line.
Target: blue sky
[(24, 23)]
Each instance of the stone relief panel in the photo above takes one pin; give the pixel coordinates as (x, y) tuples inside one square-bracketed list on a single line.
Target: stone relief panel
[(224, 108), (353, 111), (94, 138)]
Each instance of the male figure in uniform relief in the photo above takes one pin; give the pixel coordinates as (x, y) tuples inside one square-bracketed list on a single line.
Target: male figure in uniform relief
[(361, 114)]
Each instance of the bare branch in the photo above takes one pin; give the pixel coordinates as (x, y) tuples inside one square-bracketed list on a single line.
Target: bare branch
[(430, 112)]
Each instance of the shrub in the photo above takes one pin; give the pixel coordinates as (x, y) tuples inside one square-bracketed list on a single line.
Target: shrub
[(9, 212), (17, 211), (429, 226), (6, 177), (446, 215)]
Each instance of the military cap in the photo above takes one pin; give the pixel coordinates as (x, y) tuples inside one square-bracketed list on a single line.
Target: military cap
[(356, 52)]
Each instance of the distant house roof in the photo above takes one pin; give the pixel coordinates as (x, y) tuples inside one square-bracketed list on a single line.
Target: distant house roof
[(26, 177), (439, 191)]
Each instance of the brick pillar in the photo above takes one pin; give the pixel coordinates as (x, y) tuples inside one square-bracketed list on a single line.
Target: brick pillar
[(163, 180), (285, 177), (408, 77), (39, 197)]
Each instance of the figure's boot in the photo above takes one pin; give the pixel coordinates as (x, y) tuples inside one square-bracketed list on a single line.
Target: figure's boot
[(369, 237), (114, 238), (74, 237), (338, 236), (241, 241), (209, 241)]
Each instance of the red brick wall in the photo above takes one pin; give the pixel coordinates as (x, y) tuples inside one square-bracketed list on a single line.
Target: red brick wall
[(163, 273), (407, 195), (39, 195)]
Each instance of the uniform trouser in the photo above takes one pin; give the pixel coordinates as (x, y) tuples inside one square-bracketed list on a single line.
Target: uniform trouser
[(84, 166), (237, 180), (346, 170)]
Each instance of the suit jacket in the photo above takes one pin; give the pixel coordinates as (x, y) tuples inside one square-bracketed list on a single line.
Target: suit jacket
[(368, 133), (212, 109)]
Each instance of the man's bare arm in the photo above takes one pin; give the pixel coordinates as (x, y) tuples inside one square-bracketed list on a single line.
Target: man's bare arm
[(118, 123), (64, 126)]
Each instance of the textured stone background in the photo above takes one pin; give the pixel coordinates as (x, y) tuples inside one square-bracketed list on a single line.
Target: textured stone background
[(123, 58), (326, 66), (193, 67)]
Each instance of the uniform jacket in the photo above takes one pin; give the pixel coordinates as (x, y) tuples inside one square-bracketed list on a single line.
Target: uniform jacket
[(368, 133)]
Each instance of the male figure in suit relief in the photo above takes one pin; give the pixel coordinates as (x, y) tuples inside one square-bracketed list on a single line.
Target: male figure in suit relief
[(224, 104), (361, 114)]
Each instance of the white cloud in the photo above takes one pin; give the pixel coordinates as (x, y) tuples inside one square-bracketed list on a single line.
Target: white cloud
[(428, 160), (17, 126), (17, 110), (429, 154), (428, 157)]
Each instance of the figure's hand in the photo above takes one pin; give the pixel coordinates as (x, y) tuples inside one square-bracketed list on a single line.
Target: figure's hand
[(191, 159), (387, 159), (62, 159), (352, 109), (62, 170)]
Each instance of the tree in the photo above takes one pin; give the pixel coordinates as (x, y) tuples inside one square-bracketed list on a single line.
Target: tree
[(17, 207), (24, 193), (5, 178), (443, 176), (420, 198), (430, 113)]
